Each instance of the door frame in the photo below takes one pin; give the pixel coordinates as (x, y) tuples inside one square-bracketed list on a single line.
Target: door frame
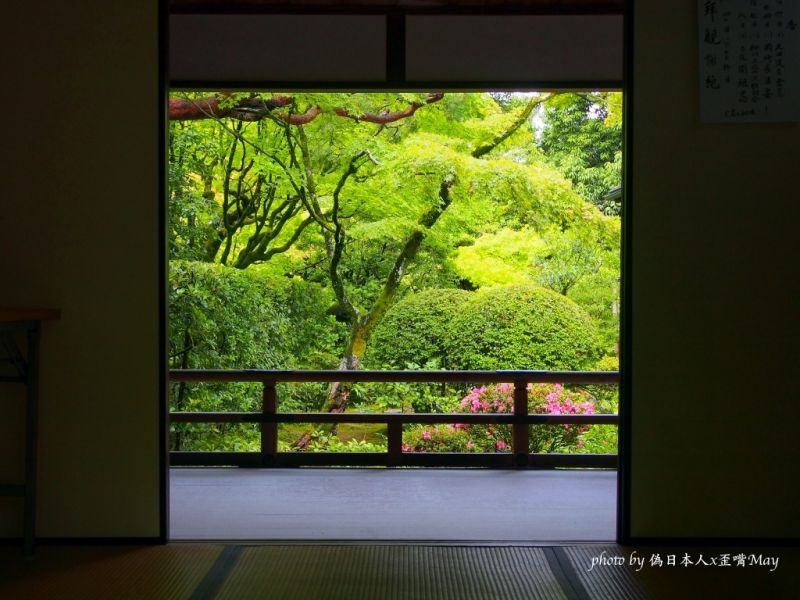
[(395, 80)]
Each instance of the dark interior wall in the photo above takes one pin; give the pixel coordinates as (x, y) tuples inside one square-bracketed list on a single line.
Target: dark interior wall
[(714, 281), (715, 289), (79, 224), (438, 48)]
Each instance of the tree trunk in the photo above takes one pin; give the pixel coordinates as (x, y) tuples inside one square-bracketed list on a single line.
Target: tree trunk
[(339, 394)]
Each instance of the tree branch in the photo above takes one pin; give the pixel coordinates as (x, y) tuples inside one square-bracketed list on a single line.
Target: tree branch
[(259, 150), (256, 108), (390, 117), (518, 122), (253, 108), (339, 237)]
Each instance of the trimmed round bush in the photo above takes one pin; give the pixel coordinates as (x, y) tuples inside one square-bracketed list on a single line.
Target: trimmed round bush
[(521, 327), (414, 329)]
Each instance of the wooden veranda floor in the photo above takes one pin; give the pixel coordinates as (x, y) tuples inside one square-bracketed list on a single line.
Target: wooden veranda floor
[(393, 504)]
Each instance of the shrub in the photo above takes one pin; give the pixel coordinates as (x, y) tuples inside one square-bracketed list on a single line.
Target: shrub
[(315, 338), (226, 318), (220, 318), (322, 441), (521, 327), (416, 397), (606, 396), (223, 318), (437, 438), (414, 329), (542, 399)]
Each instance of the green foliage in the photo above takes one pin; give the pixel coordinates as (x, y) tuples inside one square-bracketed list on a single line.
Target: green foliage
[(582, 137), (222, 318), (599, 439), (582, 263), (215, 437), (314, 336), (438, 438), (521, 327), (301, 397), (194, 152), (571, 256), (506, 257), (325, 442), (598, 295), (406, 397), (514, 221), (606, 396), (414, 329)]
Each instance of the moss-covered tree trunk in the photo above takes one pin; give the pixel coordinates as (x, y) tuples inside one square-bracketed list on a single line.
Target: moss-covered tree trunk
[(363, 326)]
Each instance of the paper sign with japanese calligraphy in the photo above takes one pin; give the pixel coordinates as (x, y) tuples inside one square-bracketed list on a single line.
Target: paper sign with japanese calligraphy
[(749, 60)]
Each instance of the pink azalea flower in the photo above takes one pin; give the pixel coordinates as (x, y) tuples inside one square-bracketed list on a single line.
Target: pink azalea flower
[(501, 445), (426, 435)]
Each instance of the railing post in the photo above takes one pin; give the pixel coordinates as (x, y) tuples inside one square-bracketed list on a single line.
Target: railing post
[(519, 430), (269, 431), (394, 443)]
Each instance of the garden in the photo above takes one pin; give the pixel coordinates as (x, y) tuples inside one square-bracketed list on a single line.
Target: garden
[(418, 231)]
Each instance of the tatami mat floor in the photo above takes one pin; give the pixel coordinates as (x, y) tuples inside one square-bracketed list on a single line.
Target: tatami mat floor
[(385, 571)]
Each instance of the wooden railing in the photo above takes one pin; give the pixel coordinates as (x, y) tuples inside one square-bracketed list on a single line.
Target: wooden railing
[(269, 417)]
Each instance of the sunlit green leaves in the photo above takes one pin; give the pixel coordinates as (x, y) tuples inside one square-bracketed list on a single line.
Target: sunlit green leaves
[(503, 258)]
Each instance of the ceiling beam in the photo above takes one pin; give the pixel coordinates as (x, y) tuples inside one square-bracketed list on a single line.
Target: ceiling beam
[(411, 7)]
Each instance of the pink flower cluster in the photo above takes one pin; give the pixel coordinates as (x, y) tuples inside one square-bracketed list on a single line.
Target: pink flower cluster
[(543, 398), (494, 398), (500, 398), (559, 403)]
